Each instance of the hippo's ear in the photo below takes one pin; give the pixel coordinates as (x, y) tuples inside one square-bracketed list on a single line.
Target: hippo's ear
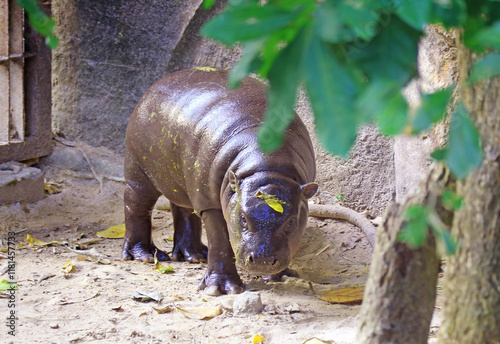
[(308, 190), (233, 181)]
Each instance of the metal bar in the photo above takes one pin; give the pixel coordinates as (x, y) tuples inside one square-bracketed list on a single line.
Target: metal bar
[(16, 66), (4, 73)]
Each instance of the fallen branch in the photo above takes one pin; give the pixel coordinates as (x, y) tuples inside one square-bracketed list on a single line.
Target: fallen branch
[(338, 212)]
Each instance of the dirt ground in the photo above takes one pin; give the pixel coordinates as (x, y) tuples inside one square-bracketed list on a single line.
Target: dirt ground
[(94, 304)]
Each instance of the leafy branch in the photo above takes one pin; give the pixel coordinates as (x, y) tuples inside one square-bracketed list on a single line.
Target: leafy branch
[(354, 58), (41, 22)]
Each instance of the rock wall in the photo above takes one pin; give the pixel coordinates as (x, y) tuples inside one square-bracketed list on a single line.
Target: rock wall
[(110, 52)]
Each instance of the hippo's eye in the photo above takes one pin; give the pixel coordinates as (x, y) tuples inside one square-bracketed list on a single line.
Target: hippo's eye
[(243, 222)]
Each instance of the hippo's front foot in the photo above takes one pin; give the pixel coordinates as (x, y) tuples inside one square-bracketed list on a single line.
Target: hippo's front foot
[(190, 253), (215, 284), (141, 251)]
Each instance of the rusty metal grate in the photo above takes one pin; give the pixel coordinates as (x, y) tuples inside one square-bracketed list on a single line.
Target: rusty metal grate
[(12, 117)]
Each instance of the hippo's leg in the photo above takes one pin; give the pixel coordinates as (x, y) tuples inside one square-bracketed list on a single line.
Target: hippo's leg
[(187, 236), (221, 276), (140, 198)]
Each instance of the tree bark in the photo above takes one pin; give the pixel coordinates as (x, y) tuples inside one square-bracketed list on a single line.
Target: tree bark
[(471, 312), (401, 289)]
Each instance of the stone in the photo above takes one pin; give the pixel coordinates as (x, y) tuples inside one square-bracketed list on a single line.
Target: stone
[(19, 183), (248, 303)]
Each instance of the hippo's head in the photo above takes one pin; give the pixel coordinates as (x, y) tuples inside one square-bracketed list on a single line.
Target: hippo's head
[(266, 214)]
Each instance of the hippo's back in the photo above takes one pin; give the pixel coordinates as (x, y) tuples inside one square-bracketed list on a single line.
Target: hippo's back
[(189, 129)]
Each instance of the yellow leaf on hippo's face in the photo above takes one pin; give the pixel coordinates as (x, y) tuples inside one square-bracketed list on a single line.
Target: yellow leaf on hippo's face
[(275, 205), (113, 232)]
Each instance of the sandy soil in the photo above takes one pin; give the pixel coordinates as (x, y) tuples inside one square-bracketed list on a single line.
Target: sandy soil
[(94, 304)]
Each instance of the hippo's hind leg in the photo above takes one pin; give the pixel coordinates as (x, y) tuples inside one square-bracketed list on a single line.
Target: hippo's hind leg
[(187, 236), (139, 198)]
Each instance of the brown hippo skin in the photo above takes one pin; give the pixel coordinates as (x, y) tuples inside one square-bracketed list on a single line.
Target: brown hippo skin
[(194, 141)]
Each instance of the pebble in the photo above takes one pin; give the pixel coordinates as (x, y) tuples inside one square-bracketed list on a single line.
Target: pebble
[(54, 325), (247, 303)]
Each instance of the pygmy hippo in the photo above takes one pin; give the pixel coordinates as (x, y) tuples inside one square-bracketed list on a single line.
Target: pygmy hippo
[(194, 141)]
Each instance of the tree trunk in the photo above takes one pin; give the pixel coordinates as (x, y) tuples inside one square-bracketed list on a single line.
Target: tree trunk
[(471, 312), (401, 288)]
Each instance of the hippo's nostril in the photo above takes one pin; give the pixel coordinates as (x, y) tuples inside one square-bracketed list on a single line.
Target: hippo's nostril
[(250, 257), (274, 262)]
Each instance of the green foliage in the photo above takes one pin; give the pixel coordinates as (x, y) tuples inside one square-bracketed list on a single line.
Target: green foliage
[(451, 201), (432, 110), (354, 57), (463, 152), (414, 232), (485, 68), (41, 22), (419, 219)]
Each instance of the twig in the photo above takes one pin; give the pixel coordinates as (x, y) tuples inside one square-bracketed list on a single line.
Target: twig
[(71, 302), (99, 178)]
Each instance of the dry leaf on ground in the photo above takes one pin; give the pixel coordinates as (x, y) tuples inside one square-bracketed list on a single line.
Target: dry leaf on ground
[(35, 242), (258, 339), (166, 309), (316, 341), (201, 313), (113, 232), (145, 296), (68, 266), (161, 268), (342, 295)]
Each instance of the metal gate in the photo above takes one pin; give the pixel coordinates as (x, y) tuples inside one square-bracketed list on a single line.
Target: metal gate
[(25, 87)]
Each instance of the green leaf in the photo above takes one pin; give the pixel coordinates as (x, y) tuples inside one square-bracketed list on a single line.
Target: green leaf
[(485, 68), (245, 23), (7, 285), (207, 4), (439, 154), (331, 90), (451, 13), (52, 41), (246, 64), (290, 4), (481, 39), (328, 23), (41, 22), (391, 55), (282, 93), (415, 13), (464, 151), (414, 232), (432, 110), (382, 99), (342, 21), (392, 120), (446, 241), (451, 200)]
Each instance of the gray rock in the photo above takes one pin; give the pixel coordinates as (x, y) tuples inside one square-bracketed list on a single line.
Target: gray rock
[(248, 303), (19, 183)]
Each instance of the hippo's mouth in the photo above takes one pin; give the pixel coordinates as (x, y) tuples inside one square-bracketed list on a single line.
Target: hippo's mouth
[(263, 265)]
